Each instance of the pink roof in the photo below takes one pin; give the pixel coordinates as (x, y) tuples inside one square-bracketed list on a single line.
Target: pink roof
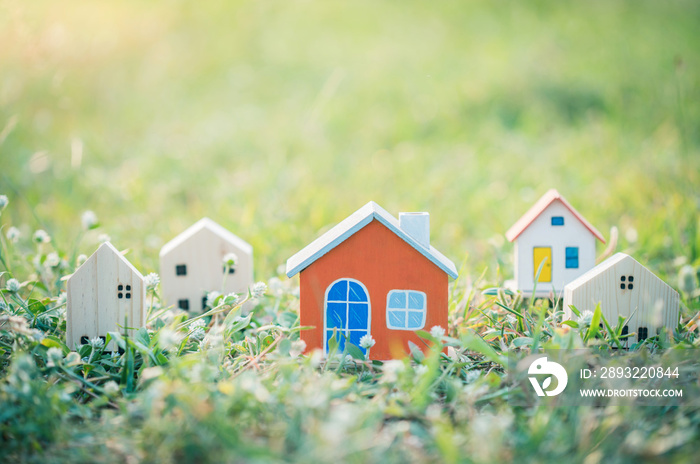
[(537, 209)]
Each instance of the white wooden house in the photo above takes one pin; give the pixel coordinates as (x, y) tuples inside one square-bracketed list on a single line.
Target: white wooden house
[(191, 265), (105, 294), (553, 232), (623, 287)]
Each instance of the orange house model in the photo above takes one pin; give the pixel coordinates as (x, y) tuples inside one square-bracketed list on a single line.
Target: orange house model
[(373, 275)]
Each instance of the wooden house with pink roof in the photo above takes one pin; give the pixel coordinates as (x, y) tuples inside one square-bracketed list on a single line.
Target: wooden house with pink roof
[(552, 234)]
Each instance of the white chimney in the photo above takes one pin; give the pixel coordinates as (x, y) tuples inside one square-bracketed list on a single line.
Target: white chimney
[(417, 225)]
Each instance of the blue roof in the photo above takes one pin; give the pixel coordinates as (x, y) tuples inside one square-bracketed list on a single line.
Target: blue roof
[(352, 224)]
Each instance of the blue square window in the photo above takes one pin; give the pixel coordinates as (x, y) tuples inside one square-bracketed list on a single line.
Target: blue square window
[(557, 220), (406, 310), (572, 257)]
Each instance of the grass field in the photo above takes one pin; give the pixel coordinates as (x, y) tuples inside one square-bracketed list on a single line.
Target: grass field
[(279, 119)]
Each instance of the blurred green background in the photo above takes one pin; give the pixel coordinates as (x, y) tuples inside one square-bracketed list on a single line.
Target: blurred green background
[(278, 119)]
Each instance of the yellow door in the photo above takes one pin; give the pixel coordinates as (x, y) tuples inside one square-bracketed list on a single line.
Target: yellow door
[(540, 254)]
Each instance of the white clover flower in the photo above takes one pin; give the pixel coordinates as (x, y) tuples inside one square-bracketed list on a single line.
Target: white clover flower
[(55, 356), (111, 388), (316, 358), (3, 202), (348, 359), (211, 298), (367, 342), (298, 347), (3, 306), (37, 335), (230, 259), (437, 331), (89, 220), (97, 343), (198, 333), (167, 339), (13, 285), (258, 289), (52, 260), (13, 234), (421, 370), (585, 318), (391, 370), (275, 286), (80, 260), (197, 323), (41, 236), (102, 238), (151, 280)]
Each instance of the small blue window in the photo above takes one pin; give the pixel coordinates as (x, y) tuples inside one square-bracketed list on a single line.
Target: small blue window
[(557, 220), (572, 257), (405, 310)]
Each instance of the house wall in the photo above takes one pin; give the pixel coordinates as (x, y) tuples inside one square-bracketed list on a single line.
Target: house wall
[(542, 233), (651, 302), (381, 261), (93, 307), (203, 254)]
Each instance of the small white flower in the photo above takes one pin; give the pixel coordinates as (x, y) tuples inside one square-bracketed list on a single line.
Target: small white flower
[(13, 234), (437, 331), (258, 290), (3, 202), (151, 280), (198, 333), (316, 358), (348, 359), (89, 220), (211, 298), (52, 260), (585, 318), (197, 323), (62, 298), (102, 238), (230, 259), (111, 388), (421, 370), (80, 260), (231, 299), (37, 335), (13, 285), (55, 356), (297, 348), (3, 306), (97, 342), (367, 342), (41, 236), (391, 370)]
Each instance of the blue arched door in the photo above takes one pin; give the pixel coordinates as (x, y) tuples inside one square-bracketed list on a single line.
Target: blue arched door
[(347, 309)]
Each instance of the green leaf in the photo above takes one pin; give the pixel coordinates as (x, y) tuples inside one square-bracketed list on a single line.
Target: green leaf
[(573, 324), (354, 351), (522, 341), (594, 329), (474, 342)]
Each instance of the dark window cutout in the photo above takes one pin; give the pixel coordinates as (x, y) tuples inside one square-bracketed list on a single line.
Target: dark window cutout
[(642, 333), (120, 295), (128, 296), (231, 270), (204, 303), (181, 269), (624, 333), (183, 304), (128, 288), (120, 287), (84, 340), (121, 350), (557, 220), (624, 279)]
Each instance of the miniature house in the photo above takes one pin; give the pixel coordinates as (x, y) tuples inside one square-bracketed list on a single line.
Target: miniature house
[(623, 287), (554, 234), (191, 265), (372, 274), (105, 294)]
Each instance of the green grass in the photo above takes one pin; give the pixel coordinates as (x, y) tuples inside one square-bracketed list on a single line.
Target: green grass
[(278, 120)]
